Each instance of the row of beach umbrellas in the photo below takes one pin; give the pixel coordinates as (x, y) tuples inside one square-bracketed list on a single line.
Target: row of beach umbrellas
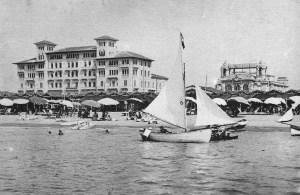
[(106, 102), (271, 100)]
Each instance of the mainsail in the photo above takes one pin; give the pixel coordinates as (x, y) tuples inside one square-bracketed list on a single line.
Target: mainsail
[(288, 116), (208, 112), (169, 105)]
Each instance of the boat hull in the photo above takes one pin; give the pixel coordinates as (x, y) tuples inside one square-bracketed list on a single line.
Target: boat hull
[(295, 130), (196, 136), (80, 127)]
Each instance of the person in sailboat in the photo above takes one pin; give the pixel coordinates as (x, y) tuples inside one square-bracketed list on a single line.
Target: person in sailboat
[(162, 129)]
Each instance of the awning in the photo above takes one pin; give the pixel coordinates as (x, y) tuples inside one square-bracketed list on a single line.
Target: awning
[(220, 101)]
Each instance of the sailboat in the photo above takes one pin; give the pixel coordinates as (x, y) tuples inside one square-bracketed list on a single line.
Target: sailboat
[(169, 107), (287, 119)]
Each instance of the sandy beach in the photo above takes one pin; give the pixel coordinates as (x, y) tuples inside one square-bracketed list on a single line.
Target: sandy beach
[(257, 121)]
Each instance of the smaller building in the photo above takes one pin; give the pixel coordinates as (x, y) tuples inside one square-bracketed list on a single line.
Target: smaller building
[(249, 77)]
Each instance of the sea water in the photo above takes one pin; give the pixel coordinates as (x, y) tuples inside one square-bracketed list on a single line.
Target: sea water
[(32, 161)]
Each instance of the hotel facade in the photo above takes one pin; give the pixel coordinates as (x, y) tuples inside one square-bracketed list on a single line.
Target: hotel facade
[(78, 70), (249, 77)]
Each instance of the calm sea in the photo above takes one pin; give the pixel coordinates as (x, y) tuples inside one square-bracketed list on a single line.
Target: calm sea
[(92, 162)]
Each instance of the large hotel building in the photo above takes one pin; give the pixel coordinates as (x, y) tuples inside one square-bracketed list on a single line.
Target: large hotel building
[(78, 70), (249, 77)]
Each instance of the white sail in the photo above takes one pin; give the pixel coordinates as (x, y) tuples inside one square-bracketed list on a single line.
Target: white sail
[(169, 105), (288, 116), (208, 112)]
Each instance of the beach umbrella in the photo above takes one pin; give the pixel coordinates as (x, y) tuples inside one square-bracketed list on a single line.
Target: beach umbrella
[(90, 103), (295, 99), (37, 100), (220, 101), (239, 100), (54, 101), (108, 101), (274, 101), (191, 99), (66, 103), (255, 100), (6, 102), (135, 99), (20, 101), (76, 103)]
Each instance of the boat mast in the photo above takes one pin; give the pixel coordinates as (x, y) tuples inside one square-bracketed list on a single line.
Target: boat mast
[(182, 46)]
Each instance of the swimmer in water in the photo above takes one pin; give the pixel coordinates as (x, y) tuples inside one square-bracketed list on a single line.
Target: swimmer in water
[(106, 131), (60, 132)]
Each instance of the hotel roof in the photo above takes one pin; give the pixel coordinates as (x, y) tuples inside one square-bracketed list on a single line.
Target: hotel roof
[(74, 49), (129, 54), (106, 37), (44, 42), (32, 60)]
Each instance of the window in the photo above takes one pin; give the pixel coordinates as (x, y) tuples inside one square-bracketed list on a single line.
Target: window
[(51, 65), (90, 84), (55, 65), (125, 72), (73, 55), (21, 85), (84, 73), (90, 73), (94, 84), (134, 71), (60, 66), (72, 64), (125, 61), (125, 83), (134, 61), (113, 72), (76, 64), (101, 63), (102, 72), (101, 83), (102, 53), (90, 63), (55, 85), (113, 62), (41, 85), (51, 85), (60, 85), (84, 84), (101, 43), (134, 83), (41, 75)]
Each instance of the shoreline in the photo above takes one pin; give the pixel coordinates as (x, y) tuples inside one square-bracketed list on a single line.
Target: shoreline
[(255, 122)]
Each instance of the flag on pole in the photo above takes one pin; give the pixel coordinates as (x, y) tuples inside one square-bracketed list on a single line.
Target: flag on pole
[(182, 41)]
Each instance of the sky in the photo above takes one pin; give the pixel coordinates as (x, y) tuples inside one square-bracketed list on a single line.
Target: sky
[(236, 31)]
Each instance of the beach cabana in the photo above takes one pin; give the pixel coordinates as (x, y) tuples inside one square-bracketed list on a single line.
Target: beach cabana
[(220, 101)]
